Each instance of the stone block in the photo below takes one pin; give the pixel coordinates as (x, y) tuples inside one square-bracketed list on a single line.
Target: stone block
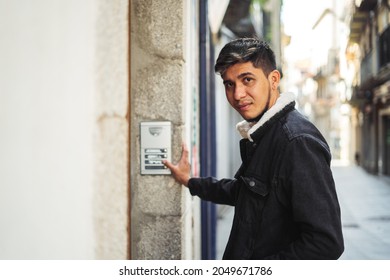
[(159, 27), (158, 91), (160, 238)]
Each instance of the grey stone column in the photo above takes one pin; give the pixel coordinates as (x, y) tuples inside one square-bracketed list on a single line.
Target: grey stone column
[(157, 94)]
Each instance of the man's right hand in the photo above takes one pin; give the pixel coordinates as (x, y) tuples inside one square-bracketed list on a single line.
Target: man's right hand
[(182, 170)]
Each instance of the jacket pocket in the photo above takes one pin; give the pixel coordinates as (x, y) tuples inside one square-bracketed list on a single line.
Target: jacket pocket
[(255, 185), (251, 199)]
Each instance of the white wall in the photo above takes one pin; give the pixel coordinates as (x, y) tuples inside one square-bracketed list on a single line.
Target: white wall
[(46, 90)]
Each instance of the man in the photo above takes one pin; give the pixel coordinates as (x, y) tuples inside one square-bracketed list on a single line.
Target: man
[(286, 205)]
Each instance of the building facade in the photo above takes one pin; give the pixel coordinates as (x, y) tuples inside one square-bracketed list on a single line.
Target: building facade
[(319, 72), (369, 55)]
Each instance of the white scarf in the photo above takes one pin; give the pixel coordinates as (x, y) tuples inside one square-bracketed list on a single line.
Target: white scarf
[(246, 128)]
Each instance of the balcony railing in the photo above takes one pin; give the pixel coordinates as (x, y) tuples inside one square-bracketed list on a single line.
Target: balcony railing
[(384, 48)]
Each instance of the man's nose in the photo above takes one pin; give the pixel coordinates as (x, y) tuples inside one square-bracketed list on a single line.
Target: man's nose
[(239, 92)]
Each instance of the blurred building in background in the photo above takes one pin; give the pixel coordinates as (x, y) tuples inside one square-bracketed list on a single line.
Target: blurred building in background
[(318, 76), (368, 55)]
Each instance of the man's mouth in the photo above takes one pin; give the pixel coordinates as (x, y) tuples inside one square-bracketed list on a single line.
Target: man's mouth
[(244, 106)]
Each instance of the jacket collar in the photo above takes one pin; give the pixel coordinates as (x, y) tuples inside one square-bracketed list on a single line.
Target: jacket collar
[(246, 128)]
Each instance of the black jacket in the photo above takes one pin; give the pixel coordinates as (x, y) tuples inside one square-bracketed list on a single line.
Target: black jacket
[(286, 205)]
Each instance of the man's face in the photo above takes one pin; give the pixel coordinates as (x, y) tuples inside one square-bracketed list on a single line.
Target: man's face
[(249, 91)]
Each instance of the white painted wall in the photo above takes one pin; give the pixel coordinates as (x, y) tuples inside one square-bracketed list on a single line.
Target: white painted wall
[(46, 129)]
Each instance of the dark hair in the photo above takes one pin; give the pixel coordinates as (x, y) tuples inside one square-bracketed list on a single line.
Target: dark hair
[(244, 50)]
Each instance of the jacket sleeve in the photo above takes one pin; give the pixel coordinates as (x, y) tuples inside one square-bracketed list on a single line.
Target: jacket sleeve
[(218, 191), (311, 194)]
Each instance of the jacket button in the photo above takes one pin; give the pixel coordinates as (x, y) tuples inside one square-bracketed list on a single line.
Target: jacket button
[(252, 183)]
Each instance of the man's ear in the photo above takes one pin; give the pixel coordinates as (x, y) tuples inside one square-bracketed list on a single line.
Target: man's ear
[(274, 79)]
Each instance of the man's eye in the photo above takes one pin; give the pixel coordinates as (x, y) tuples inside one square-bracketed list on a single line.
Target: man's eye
[(228, 85), (247, 79)]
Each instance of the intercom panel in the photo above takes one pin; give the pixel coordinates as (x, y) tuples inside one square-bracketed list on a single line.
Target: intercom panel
[(155, 147)]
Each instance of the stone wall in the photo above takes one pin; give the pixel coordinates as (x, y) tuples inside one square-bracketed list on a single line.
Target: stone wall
[(157, 93)]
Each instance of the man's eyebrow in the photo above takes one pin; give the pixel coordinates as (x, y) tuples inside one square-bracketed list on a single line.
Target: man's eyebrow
[(240, 76), (245, 74)]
